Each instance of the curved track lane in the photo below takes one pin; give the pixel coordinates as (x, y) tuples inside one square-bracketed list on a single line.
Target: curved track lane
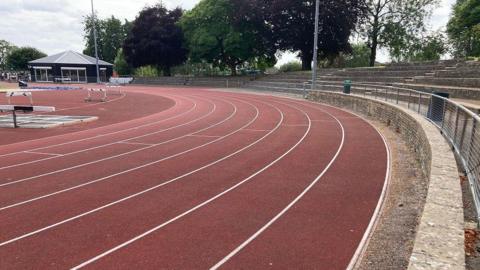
[(221, 180)]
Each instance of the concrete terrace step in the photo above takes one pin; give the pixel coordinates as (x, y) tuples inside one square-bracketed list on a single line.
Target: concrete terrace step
[(462, 82), (454, 91)]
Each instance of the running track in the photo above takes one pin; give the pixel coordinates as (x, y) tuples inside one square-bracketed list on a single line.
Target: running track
[(219, 180)]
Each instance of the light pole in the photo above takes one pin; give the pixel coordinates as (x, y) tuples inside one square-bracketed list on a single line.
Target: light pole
[(95, 41), (315, 46)]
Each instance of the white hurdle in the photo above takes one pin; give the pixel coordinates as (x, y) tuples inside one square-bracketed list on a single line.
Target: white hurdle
[(114, 87), (18, 93), (16, 108), (91, 91)]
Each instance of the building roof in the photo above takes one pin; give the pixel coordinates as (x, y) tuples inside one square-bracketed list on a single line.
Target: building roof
[(69, 57)]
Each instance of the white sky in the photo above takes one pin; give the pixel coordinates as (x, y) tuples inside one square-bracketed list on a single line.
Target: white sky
[(56, 25)]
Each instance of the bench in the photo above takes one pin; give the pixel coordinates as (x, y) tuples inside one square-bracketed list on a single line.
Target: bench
[(101, 91), (24, 108), (18, 93)]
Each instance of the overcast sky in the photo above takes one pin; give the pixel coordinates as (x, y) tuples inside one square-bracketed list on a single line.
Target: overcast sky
[(56, 25)]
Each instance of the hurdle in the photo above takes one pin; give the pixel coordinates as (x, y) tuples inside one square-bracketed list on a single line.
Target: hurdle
[(17, 93), (26, 109), (91, 91), (117, 87)]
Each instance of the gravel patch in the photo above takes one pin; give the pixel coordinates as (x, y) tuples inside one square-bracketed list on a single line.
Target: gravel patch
[(391, 243)]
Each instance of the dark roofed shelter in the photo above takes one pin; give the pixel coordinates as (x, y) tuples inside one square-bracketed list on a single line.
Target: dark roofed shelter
[(69, 66)]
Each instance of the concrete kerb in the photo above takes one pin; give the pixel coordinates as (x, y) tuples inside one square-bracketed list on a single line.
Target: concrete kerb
[(439, 242)]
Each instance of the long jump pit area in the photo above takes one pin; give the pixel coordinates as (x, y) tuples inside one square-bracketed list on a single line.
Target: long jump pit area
[(189, 178)]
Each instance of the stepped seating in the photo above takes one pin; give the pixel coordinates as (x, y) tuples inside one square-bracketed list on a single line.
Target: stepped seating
[(459, 78)]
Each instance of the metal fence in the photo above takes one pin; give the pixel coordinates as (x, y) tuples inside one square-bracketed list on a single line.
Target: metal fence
[(459, 125)]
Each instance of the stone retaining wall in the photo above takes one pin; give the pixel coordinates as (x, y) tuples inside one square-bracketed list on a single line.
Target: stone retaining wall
[(439, 242)]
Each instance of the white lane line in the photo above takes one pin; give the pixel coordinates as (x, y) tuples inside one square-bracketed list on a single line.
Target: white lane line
[(94, 104), (289, 206), (106, 253), (205, 136), (381, 202), (135, 168), (376, 215), (108, 144), (146, 190), (256, 130), (41, 153), (110, 133), (295, 125), (136, 143), (114, 156)]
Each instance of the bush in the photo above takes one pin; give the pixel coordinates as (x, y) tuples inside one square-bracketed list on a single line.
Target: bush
[(146, 71), (291, 66)]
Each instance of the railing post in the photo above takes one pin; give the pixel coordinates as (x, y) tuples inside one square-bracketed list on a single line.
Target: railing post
[(227, 83), (409, 98), (419, 102), (386, 94), (443, 112), (304, 90), (398, 95), (456, 126), (472, 141)]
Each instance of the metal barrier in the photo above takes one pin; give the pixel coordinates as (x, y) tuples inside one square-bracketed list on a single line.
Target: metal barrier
[(459, 125)]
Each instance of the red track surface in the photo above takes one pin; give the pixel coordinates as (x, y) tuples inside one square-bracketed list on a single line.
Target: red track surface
[(192, 179)]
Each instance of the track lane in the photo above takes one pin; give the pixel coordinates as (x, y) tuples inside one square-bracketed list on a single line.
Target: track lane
[(167, 199), (78, 159), (183, 106), (106, 189), (226, 220), (243, 149), (92, 139), (77, 177), (322, 240)]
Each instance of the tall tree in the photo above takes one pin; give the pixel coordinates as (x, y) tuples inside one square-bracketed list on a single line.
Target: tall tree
[(391, 22), (5, 49), (292, 24), (19, 58), (155, 39), (111, 34), (121, 65), (464, 28), (227, 33)]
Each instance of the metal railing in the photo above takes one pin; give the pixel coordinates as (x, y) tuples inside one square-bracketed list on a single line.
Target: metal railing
[(459, 125)]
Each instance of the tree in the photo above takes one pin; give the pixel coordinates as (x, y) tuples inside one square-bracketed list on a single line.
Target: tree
[(359, 57), (464, 28), (227, 33), (19, 58), (292, 24), (431, 47), (111, 34), (121, 65), (155, 39), (392, 23), (88, 23), (6, 49)]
